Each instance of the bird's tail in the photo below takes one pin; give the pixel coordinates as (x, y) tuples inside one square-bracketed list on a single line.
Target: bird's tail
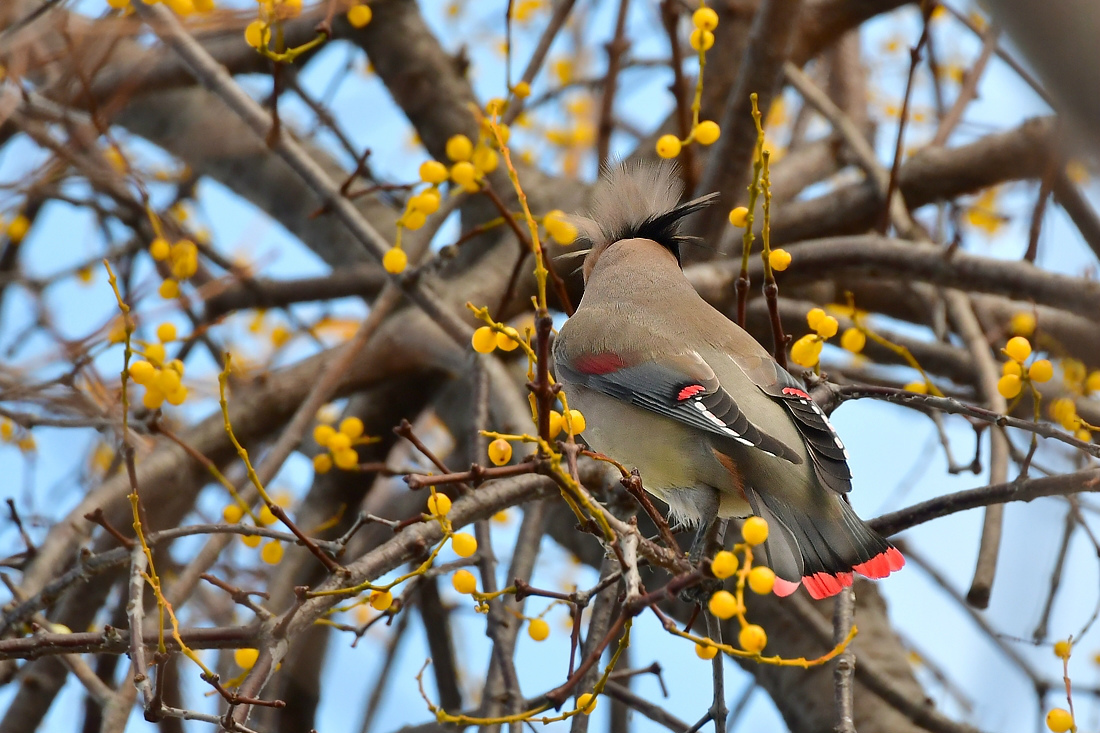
[(822, 555)]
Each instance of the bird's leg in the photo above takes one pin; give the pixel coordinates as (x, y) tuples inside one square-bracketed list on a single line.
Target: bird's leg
[(708, 539)]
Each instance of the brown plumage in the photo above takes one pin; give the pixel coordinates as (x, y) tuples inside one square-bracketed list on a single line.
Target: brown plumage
[(716, 427)]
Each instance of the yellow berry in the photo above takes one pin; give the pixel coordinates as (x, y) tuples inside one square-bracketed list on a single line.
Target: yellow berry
[(232, 513), (322, 463), (412, 220), (322, 434), (522, 90), (701, 40), (345, 459), (485, 159), (463, 544), (1012, 367), (464, 581), (724, 564), (1059, 720), (500, 452), (739, 216), (755, 530), (668, 146), (556, 421), (167, 381), (707, 131), (814, 316), (266, 516), (395, 261), (160, 249), (484, 340), (779, 259), (752, 638), (919, 387), (155, 353), (1064, 411), (705, 19), (1040, 371), (706, 651), (1093, 382), (251, 540), (1073, 374), (184, 267), (1018, 347), (507, 341), (359, 16), (806, 351), (827, 327), (563, 232), (380, 600), (166, 332), (18, 228), (426, 202), (1062, 649), (761, 580), (272, 553), (246, 658), (118, 4), (280, 335), (169, 289), (434, 172), (338, 442), (177, 396), (143, 372), (439, 505), (538, 629), (152, 399), (256, 34), (352, 427), (1084, 435), (853, 340), (1009, 386), (722, 604), (586, 703), (459, 148), (574, 423), (465, 175), (1023, 324)]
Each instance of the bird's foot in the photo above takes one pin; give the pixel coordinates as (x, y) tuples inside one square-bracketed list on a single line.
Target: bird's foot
[(700, 593)]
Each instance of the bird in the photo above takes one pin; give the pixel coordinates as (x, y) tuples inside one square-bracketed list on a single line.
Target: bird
[(715, 426)]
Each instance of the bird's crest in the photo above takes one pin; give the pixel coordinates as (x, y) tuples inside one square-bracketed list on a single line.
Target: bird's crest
[(637, 201)]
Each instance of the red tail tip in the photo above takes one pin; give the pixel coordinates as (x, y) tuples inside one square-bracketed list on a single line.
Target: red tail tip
[(784, 588), (824, 585), (882, 564)]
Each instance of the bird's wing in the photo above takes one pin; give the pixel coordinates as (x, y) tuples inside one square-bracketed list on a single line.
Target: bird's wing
[(683, 387), (827, 452)]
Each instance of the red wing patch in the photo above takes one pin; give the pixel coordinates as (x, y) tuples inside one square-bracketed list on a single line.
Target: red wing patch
[(796, 392), (600, 363), (690, 391)]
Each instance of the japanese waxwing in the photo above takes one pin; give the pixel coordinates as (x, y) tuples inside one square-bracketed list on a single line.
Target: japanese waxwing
[(715, 426)]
